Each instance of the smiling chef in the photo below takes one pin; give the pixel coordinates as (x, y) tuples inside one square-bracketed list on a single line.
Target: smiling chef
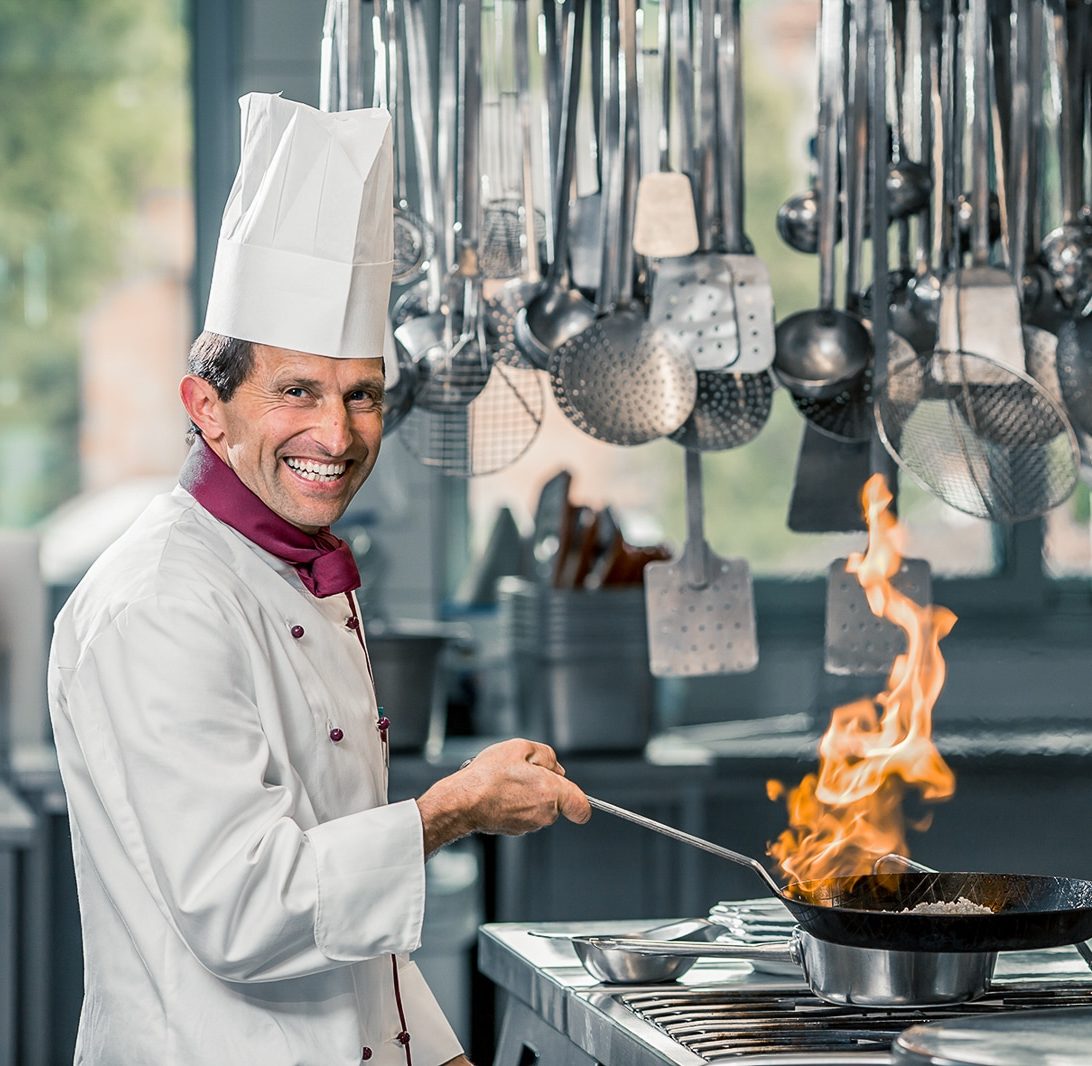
[(248, 896)]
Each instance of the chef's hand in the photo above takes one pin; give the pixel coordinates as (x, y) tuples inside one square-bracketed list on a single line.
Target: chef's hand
[(513, 787)]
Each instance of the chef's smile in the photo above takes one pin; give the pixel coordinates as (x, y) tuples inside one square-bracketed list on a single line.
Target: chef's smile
[(315, 471)]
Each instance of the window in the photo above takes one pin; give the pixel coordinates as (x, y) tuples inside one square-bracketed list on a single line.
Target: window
[(95, 247)]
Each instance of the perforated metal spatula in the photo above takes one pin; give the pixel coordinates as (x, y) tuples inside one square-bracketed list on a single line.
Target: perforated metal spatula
[(699, 607)]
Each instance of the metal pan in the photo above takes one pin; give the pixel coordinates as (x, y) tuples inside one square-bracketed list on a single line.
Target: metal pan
[(871, 911)]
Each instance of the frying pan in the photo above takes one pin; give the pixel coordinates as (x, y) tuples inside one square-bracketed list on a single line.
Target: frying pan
[(870, 911)]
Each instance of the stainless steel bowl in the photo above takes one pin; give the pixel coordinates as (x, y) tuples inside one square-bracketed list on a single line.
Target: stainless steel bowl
[(620, 966)]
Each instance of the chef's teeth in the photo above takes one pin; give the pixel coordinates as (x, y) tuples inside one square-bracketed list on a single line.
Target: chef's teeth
[(312, 471)]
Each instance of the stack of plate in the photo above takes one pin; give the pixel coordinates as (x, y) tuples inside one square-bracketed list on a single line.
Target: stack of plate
[(756, 921)]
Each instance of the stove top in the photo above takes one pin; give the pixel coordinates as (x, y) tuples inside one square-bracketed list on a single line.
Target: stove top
[(722, 1010), (756, 1025)]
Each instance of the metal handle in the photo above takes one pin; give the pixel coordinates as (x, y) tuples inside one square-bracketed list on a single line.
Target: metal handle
[(686, 838), (782, 951), (830, 77)]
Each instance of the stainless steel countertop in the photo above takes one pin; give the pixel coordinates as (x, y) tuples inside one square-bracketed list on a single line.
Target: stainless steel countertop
[(547, 976)]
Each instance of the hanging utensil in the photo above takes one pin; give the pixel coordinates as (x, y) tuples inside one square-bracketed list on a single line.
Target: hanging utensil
[(857, 641), (978, 433), (819, 352), (620, 380), (665, 225), (730, 312), (718, 303), (1067, 250), (413, 237), (559, 312), (982, 297), (470, 417), (699, 607), (503, 303)]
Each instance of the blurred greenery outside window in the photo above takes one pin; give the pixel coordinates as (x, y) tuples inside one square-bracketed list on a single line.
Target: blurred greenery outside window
[(747, 490), (95, 245)]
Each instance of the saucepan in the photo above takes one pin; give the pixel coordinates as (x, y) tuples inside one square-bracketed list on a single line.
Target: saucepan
[(921, 912), (838, 973)]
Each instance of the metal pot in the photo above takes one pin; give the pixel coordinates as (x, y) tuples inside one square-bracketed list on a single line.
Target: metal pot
[(840, 973)]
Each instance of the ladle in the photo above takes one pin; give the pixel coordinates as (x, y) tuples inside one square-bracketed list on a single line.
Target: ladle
[(819, 352), (559, 311)]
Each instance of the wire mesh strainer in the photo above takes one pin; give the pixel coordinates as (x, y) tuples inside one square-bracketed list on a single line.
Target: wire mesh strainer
[(984, 438), (483, 436)]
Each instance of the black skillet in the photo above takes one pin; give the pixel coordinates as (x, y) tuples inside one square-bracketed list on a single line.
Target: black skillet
[(1029, 912)]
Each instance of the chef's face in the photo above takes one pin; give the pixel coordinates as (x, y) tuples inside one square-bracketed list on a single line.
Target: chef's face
[(302, 431)]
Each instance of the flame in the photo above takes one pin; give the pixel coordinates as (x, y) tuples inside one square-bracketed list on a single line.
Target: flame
[(847, 815)]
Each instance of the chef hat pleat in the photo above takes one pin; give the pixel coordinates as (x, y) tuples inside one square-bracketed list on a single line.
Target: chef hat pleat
[(304, 259)]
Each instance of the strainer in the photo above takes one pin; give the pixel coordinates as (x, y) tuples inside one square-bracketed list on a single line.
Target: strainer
[(481, 436), (986, 439)]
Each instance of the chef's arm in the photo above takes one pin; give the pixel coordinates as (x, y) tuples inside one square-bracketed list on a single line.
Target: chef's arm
[(510, 788)]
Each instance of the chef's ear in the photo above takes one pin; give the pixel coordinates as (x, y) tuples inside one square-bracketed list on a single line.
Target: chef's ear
[(203, 405)]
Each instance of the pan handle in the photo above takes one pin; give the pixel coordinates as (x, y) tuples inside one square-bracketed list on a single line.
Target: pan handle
[(782, 951), (687, 838), (899, 862)]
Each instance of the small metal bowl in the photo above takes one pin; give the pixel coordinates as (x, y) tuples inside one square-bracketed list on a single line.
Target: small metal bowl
[(617, 966)]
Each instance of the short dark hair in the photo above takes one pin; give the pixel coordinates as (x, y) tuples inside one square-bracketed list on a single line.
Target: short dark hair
[(224, 362)]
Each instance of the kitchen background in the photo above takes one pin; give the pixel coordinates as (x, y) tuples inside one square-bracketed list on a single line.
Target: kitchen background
[(120, 140)]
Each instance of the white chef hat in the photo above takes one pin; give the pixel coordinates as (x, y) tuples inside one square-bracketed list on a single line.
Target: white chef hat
[(306, 246)]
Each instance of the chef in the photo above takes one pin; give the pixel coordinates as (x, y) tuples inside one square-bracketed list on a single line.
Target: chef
[(248, 896)]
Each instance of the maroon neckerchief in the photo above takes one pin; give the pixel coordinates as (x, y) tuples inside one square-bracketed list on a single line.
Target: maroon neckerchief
[(324, 562)]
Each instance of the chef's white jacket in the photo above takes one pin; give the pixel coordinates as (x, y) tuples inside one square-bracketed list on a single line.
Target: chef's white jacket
[(242, 880)]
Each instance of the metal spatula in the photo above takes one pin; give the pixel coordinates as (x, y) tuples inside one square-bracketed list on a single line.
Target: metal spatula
[(699, 606)]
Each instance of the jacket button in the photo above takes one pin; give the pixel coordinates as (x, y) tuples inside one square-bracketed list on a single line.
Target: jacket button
[(403, 1038), (365, 1054), (297, 631), (336, 735), (352, 622)]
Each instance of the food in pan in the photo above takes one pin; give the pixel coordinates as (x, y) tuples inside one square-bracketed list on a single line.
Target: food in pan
[(943, 906)]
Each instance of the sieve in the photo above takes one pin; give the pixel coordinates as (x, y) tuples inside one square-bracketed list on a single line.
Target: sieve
[(482, 435), (987, 439), (619, 380)]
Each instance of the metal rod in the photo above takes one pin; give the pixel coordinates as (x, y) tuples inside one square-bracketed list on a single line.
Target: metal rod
[(686, 838)]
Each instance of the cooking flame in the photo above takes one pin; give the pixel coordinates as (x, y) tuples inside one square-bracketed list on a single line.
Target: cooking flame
[(850, 813)]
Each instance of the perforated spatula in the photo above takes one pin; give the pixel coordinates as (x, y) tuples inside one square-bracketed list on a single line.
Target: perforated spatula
[(699, 607)]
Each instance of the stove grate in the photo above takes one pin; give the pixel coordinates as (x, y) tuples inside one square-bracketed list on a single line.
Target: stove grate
[(723, 1025)]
